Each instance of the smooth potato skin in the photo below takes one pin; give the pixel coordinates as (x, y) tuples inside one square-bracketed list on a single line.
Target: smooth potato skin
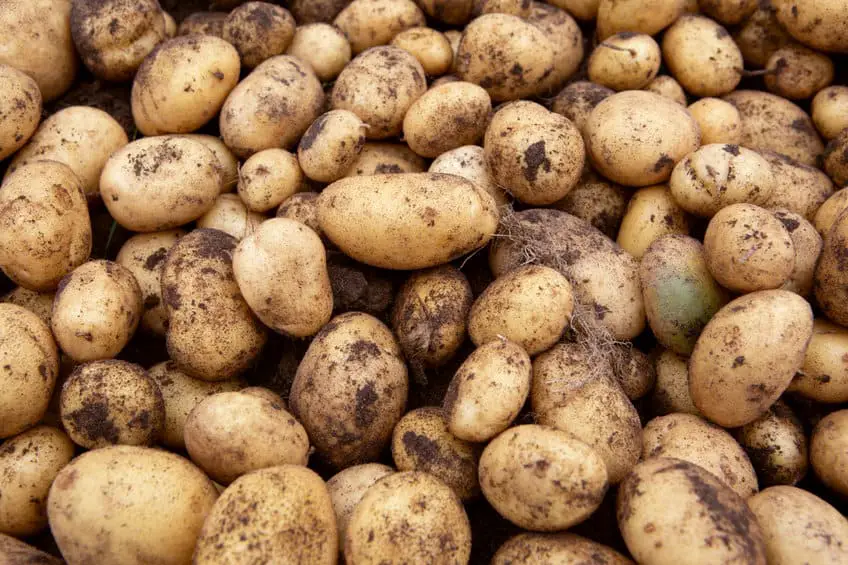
[(469, 162), (267, 178), (229, 214), (369, 23), (702, 56), (324, 47), (625, 61), (641, 16), (719, 121), (828, 451), (808, 246), (828, 110), (824, 375), (816, 24), (548, 549), (19, 91), (651, 214), (347, 488), (671, 391)]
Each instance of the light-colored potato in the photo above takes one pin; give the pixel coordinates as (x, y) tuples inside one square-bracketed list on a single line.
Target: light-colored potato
[(267, 178), (301, 207), (818, 25), (20, 109), (625, 61), (323, 47), (430, 47), (824, 375), (447, 117), (452, 12), (777, 446), (830, 210), (747, 355), (808, 247), (702, 56), (387, 158), (18, 553), (203, 23), (835, 159), (761, 35), (231, 215), (799, 188), (829, 451), (796, 72), (228, 164), (667, 86), (39, 303), (577, 100), (831, 279), (728, 12), (512, 7), (157, 503), (640, 16), (718, 120), (348, 487), (545, 549), (369, 23), (331, 145), (581, 9), (170, 25), (634, 371), (830, 110), (651, 214), (671, 392), (259, 31), (566, 39), (596, 200), (469, 162)]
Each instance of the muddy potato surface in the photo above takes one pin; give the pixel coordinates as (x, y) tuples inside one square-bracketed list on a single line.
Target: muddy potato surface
[(20, 108), (369, 23), (331, 145), (824, 375), (796, 72), (831, 274), (625, 61), (543, 549), (39, 303), (797, 187), (777, 446), (259, 31)]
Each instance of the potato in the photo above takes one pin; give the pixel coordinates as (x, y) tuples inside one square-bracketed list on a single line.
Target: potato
[(635, 138), (45, 230), (259, 31), (596, 200), (773, 123), (679, 292), (829, 110), (831, 275), (651, 214), (30, 364), (509, 57), (748, 249), (829, 452), (634, 371), (350, 389), (39, 303), (830, 210), (798, 188), (567, 41), (203, 23), (20, 109), (835, 159), (815, 24), (808, 247), (170, 25), (302, 207), (444, 215), (513, 7), (331, 145), (157, 503), (671, 392), (640, 16), (824, 375), (369, 23), (728, 12), (776, 445), (230, 215), (386, 158), (409, 517), (311, 11), (542, 549), (580, 9), (451, 12), (267, 178), (430, 47), (667, 87), (469, 161), (747, 355), (761, 35), (17, 552), (37, 41), (796, 72), (625, 61), (577, 100), (323, 47), (577, 392), (702, 56), (228, 164), (348, 487), (271, 107), (718, 120), (541, 478), (689, 438), (672, 511), (800, 527), (488, 391)]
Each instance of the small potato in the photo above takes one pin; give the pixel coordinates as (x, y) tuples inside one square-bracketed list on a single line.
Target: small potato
[(20, 109), (301, 207), (143, 255), (829, 451), (430, 47), (666, 86), (469, 162), (761, 35), (830, 210), (312, 11), (451, 12), (30, 364), (348, 487), (409, 517), (702, 56), (530, 306), (331, 145), (651, 214), (230, 215), (157, 503), (635, 138), (800, 527), (596, 200), (689, 438), (625, 61), (830, 111), (797, 73), (577, 100), (566, 39), (671, 393), (170, 25), (203, 23), (673, 511), (267, 178), (228, 164), (817, 25), (728, 12), (798, 188), (835, 159), (634, 371), (777, 446), (113, 37), (824, 375), (19, 553), (387, 158), (718, 120), (259, 31), (323, 47), (808, 247), (543, 549), (542, 479), (512, 7), (640, 16), (831, 279), (421, 441), (369, 23), (747, 355), (488, 391), (39, 303)]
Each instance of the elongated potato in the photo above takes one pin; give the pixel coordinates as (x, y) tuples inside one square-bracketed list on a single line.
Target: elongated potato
[(641, 16), (831, 280), (20, 105), (651, 214)]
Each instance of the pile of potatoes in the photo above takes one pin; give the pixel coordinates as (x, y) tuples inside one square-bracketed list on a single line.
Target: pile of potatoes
[(424, 282)]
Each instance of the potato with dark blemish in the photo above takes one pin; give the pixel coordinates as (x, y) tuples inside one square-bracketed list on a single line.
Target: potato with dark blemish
[(451, 12), (797, 73), (829, 110), (719, 121), (112, 402), (301, 207), (829, 451), (596, 200), (761, 35), (267, 178), (378, 158), (348, 487), (728, 12), (331, 145), (824, 375), (39, 303), (312, 11), (564, 547), (203, 23), (469, 161), (634, 371), (776, 445), (369, 23), (835, 159), (323, 46), (808, 246), (667, 86), (625, 61), (672, 511), (20, 109), (671, 392), (830, 211), (430, 47), (114, 36), (259, 31), (640, 16), (157, 503), (577, 100), (17, 552), (230, 214), (651, 214), (818, 25)]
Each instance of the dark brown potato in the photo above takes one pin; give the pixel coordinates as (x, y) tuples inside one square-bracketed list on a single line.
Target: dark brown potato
[(259, 30), (312, 11)]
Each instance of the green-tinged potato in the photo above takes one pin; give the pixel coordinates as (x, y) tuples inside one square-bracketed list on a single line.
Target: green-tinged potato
[(577, 392), (447, 117), (469, 162), (407, 221), (565, 37), (259, 31), (718, 120), (798, 188), (408, 517), (348, 487), (800, 527), (797, 73), (350, 389), (312, 11), (636, 138), (267, 178), (835, 159), (157, 502), (181, 393), (747, 355), (824, 375), (830, 111), (331, 145), (818, 24), (20, 109), (369, 23), (323, 47), (728, 12), (672, 511), (577, 100), (183, 83), (680, 294), (542, 479), (808, 247), (386, 158), (231, 215), (271, 107), (777, 446), (200, 292), (667, 87), (625, 61), (671, 392), (691, 439), (228, 164), (112, 402), (451, 12), (640, 16), (548, 549), (301, 207), (281, 270), (597, 200), (773, 123), (488, 391), (421, 441), (143, 255), (761, 35), (30, 364), (430, 47), (651, 214), (28, 464), (634, 371), (830, 210), (829, 451), (39, 303), (16, 552), (203, 23), (831, 279)]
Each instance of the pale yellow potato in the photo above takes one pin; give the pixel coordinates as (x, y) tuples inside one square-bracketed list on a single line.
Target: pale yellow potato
[(259, 31), (625, 61), (797, 73), (331, 145), (829, 451), (430, 47), (20, 109), (513, 7), (39, 303), (469, 162), (566, 39), (829, 110), (596, 200), (667, 86), (170, 24), (323, 47), (302, 207), (824, 375), (777, 446), (267, 178), (834, 160), (702, 56), (369, 23), (797, 187), (728, 12), (547, 549), (671, 392), (230, 214), (719, 121), (761, 35), (640, 16), (830, 210), (577, 100), (379, 158), (651, 214), (228, 164), (818, 25), (348, 487), (581, 9), (831, 279), (808, 246)]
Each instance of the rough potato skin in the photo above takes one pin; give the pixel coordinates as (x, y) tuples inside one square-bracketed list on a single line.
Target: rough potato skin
[(369, 23), (832, 273), (20, 109), (544, 549), (777, 446), (819, 25), (625, 61), (259, 30), (761, 35), (796, 72), (17, 552), (567, 41), (797, 187), (577, 100), (451, 12), (835, 159), (203, 23), (312, 11), (331, 145), (301, 207), (596, 200), (829, 451)]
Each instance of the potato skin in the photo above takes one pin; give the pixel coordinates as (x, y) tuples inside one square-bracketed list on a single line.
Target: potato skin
[(829, 212), (378, 158), (331, 145), (301, 207), (824, 375), (566, 40), (230, 215), (834, 159), (777, 446), (17, 552), (452, 12), (19, 91), (39, 303), (563, 547), (815, 24), (641, 16), (671, 391), (702, 56), (718, 120), (259, 31), (577, 100), (323, 46), (761, 35), (203, 23), (828, 451), (831, 273), (796, 72), (747, 355), (808, 246), (432, 49), (347, 488), (267, 178), (797, 187), (651, 214), (596, 200), (829, 110), (369, 23), (625, 61)]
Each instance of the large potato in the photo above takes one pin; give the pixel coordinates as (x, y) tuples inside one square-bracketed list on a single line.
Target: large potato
[(348, 487), (829, 451), (797, 187), (548, 549), (651, 214), (369, 23), (20, 109), (777, 446), (641, 16), (817, 24), (831, 280)]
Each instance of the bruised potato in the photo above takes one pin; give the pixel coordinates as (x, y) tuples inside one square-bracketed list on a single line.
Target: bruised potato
[(258, 31), (20, 109), (777, 446), (230, 214), (267, 178), (348, 487), (323, 47), (369, 23), (331, 145), (625, 61)]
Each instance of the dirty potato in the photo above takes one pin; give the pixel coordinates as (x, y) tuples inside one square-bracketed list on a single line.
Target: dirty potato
[(777, 446), (259, 31), (369, 23), (625, 61), (829, 110), (20, 109), (796, 73), (829, 451), (267, 178), (230, 214), (331, 145), (651, 214), (323, 47)]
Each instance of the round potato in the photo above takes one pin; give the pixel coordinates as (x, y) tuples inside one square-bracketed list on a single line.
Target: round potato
[(267, 178), (386, 158), (302, 207), (651, 214), (231, 215), (469, 162), (666, 86), (311, 11), (566, 39), (348, 487), (728, 12), (777, 446), (761, 35), (625, 61), (634, 371), (259, 31), (797, 187), (331, 145), (228, 164), (451, 12), (157, 503), (815, 24), (718, 120), (20, 109), (796, 72), (577, 100), (671, 391), (808, 247), (830, 110), (541, 549), (369, 23), (203, 23), (835, 159), (430, 47), (39, 303), (323, 47), (831, 276), (596, 200), (829, 451), (640, 16), (827, 214), (824, 375), (702, 56)]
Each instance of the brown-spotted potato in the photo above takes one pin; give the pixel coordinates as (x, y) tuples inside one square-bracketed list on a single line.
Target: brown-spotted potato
[(564, 547), (796, 72), (829, 111), (640, 16), (20, 108), (369, 23), (797, 187), (331, 145), (39, 303), (430, 47), (348, 487), (323, 47), (671, 391), (824, 375), (651, 214), (469, 162), (259, 31), (267, 178), (829, 451), (380, 158), (625, 61), (808, 246), (776, 445), (719, 121), (596, 200)]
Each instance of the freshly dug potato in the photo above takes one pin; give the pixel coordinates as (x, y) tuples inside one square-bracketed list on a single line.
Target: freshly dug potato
[(407, 221), (530, 306), (469, 162), (348, 487), (203, 23), (635, 138), (379, 86), (37, 41), (798, 188), (331, 145), (39, 303), (170, 25), (157, 503), (797, 73), (824, 375), (718, 120), (634, 371), (689, 438), (818, 25), (542, 479), (747, 249), (829, 451), (728, 12), (430, 47), (447, 117), (577, 100), (200, 291), (640, 16), (577, 392), (747, 355), (777, 446), (45, 230), (231, 215), (831, 274), (544, 549), (30, 364), (488, 391), (369, 23), (323, 47), (17, 552), (673, 511), (830, 210), (259, 31), (513, 7), (20, 109), (271, 107), (451, 12), (671, 392), (773, 123), (596, 200), (680, 294), (267, 178), (387, 158), (808, 247), (761, 35), (112, 402), (311, 11), (830, 110), (835, 159), (668, 87), (565, 37), (409, 517), (302, 207), (651, 214), (800, 527), (228, 164), (702, 56), (625, 61), (350, 389)]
